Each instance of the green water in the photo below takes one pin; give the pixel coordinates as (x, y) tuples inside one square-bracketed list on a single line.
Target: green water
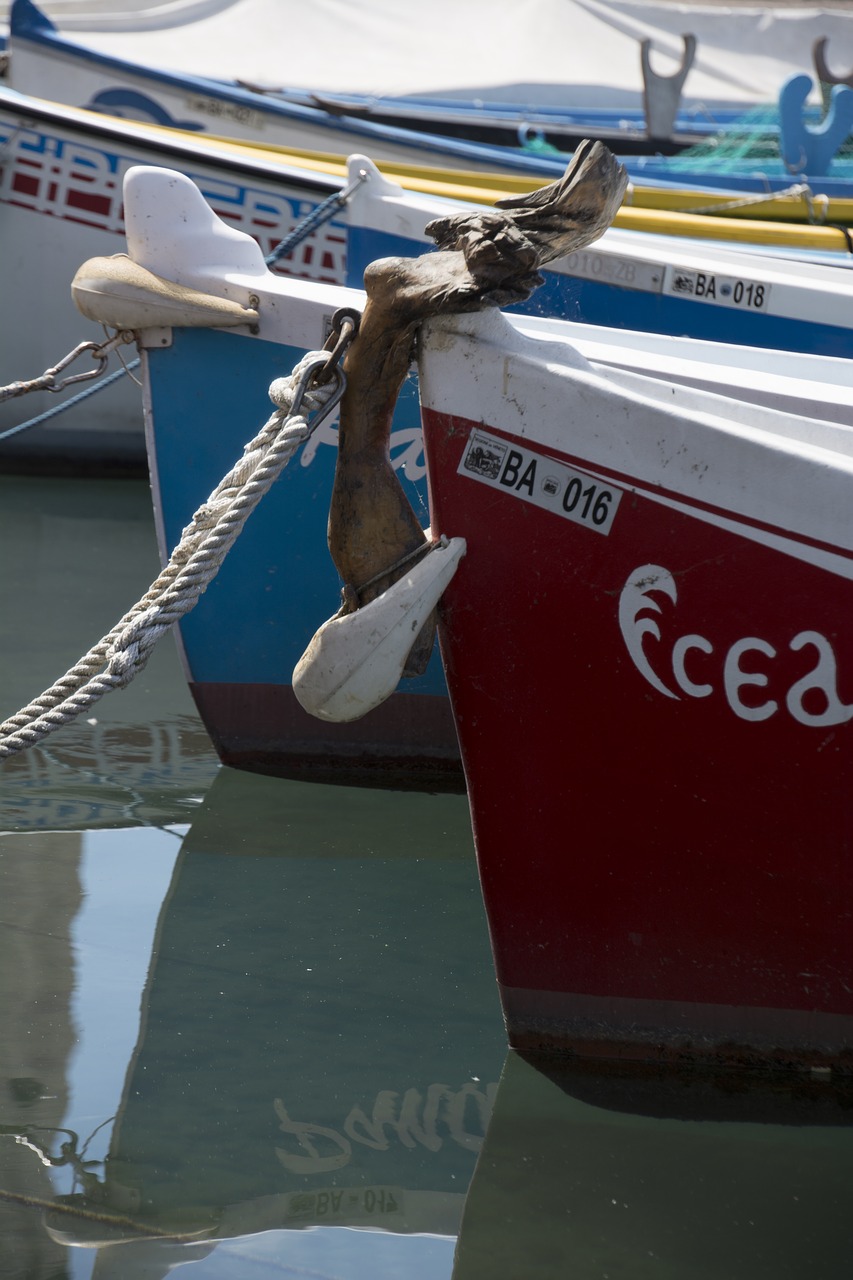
[(249, 1028)]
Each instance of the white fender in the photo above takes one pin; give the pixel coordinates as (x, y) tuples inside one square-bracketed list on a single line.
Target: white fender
[(355, 661)]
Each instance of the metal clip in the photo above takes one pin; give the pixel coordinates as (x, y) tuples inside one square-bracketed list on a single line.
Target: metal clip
[(100, 352), (48, 380), (345, 324), (310, 378)]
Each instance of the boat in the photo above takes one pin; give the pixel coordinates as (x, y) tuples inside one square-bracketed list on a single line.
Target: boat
[(60, 193), (688, 666), (589, 69), (644, 640), (306, 1087), (215, 79), (241, 642), (704, 276), (79, 75)]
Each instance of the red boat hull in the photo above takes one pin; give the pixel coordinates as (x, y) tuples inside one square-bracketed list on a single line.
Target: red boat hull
[(659, 773)]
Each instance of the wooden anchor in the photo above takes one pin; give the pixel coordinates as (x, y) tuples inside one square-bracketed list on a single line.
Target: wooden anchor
[(485, 258)]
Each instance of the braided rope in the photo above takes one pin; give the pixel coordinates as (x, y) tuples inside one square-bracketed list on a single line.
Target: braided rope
[(322, 213), (194, 563), (68, 404), (42, 383), (763, 197)]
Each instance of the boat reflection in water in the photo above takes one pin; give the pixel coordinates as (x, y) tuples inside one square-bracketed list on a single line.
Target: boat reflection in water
[(590, 1170), (321, 1049), (320, 1035)]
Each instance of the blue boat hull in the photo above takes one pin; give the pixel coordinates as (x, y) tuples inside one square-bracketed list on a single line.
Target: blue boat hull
[(278, 584)]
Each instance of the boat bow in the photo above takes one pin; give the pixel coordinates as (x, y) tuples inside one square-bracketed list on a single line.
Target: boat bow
[(487, 258)]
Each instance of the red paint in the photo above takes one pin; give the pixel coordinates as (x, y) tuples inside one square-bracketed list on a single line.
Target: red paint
[(631, 844)]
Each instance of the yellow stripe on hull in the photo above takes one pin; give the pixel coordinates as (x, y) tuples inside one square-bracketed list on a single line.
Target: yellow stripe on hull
[(782, 221)]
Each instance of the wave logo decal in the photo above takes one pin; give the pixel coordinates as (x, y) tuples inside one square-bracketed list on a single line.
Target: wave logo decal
[(635, 599), (130, 105), (741, 672)]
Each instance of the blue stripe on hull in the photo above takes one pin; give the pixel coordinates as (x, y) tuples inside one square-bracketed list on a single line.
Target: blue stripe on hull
[(597, 303), (605, 304)]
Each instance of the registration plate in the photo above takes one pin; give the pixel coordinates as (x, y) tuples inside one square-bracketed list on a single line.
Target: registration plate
[(610, 268), (545, 482), (721, 291), (220, 110), (345, 1204)]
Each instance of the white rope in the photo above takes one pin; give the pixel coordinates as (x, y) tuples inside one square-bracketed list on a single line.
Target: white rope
[(194, 563)]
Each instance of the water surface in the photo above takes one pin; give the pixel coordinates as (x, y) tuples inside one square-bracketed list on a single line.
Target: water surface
[(250, 1027)]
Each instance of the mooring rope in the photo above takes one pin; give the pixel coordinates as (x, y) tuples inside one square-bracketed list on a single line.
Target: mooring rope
[(323, 212), (195, 561), (103, 1218), (68, 404), (802, 189)]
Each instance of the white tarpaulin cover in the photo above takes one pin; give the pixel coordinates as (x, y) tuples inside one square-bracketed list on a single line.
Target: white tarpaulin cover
[(569, 52)]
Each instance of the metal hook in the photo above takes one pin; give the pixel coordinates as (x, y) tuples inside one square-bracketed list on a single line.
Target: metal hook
[(312, 374), (662, 94), (344, 328), (826, 78), (824, 75)]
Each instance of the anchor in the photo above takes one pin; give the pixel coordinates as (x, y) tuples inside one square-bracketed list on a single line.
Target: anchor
[(805, 148), (486, 258)]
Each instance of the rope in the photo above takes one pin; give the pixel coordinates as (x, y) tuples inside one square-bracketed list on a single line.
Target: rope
[(352, 594), (194, 563), (323, 212), (67, 404), (103, 1218), (44, 382), (761, 197)]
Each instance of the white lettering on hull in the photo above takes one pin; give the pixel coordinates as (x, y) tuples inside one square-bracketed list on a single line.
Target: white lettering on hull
[(746, 665)]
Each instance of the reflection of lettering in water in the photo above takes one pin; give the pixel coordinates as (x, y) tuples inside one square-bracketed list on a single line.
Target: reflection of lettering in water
[(406, 448), (414, 1121)]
